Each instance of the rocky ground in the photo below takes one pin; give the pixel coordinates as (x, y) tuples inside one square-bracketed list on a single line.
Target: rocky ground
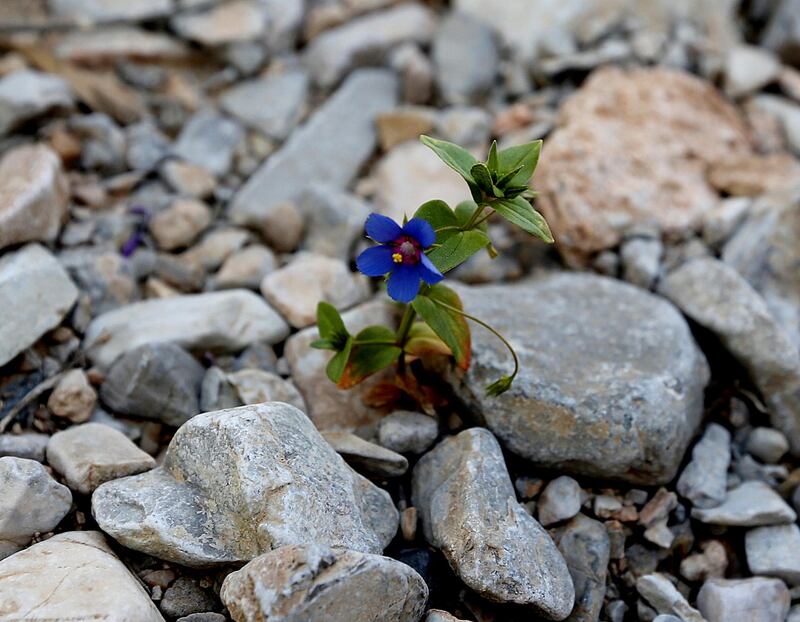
[(183, 180)]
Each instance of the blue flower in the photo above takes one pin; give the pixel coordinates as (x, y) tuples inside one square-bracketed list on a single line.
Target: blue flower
[(400, 255)]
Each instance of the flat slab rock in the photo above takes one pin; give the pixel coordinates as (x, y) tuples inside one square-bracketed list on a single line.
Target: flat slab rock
[(751, 504), (237, 483), (469, 510), (318, 584), (611, 381)]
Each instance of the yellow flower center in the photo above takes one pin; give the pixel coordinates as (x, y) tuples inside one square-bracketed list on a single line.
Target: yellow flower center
[(397, 258)]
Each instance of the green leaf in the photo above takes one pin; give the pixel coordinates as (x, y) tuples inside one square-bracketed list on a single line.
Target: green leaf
[(505, 179), (337, 364), (375, 334), (519, 212), (450, 326), (439, 215), (323, 344), (422, 340), (330, 324), (499, 386), (492, 161), (526, 156), (483, 178), (458, 248), (457, 158), (368, 358)]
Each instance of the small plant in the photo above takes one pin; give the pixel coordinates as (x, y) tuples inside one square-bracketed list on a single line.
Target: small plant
[(414, 257)]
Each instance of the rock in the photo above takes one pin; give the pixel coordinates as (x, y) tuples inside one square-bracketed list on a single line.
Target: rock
[(186, 597), (272, 104), (180, 223), (437, 615), (107, 11), (334, 220), (29, 445), (216, 246), (216, 393), (237, 483), (157, 381), (187, 178), (319, 584), (366, 457), (27, 94), (704, 480), (794, 614), (745, 600), (626, 411), (35, 295), (774, 552), (245, 268), (73, 397), (209, 140), (331, 55), (146, 146), (297, 288), (52, 579), (256, 385), (560, 501), (782, 33), (203, 617), (226, 321), (767, 444), (660, 143), (33, 502), (665, 598), (240, 20), (415, 71), (468, 509), (465, 125), (750, 504), (641, 261), (407, 432), (749, 68), (787, 114), (108, 278), (403, 124), (710, 564), (722, 222), (753, 175), (33, 195), (465, 57), (329, 148), (116, 43)]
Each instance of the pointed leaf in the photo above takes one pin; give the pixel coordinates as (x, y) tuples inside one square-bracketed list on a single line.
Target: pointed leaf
[(337, 364), (506, 179), (483, 178), (323, 344), (526, 156), (492, 161), (457, 158), (458, 248), (450, 326), (365, 360), (422, 340), (375, 334), (330, 324), (519, 212)]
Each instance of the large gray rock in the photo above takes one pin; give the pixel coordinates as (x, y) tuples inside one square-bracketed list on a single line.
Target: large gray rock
[(704, 480), (330, 148), (35, 295), (318, 584), (744, 600), (27, 94), (228, 321), (586, 548), (611, 380), (783, 31), (751, 504), (774, 551), (156, 381), (468, 509), (72, 576), (237, 483), (665, 598)]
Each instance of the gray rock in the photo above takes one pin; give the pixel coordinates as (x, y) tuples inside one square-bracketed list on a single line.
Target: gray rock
[(585, 546), (366, 40), (27, 94), (226, 321), (106, 277), (236, 483), (783, 31), (468, 509), (704, 480), (366, 457), (256, 385), (29, 445), (720, 223), (330, 148), (775, 552), (465, 57), (657, 589), (146, 146), (245, 268), (407, 432), (465, 125), (667, 618), (272, 104), (767, 444), (437, 615), (185, 597), (744, 600), (102, 142), (209, 140), (33, 502), (794, 614), (560, 501), (318, 584), (785, 112), (218, 24), (641, 261), (35, 295), (750, 504), (91, 454), (334, 220), (203, 617), (749, 68), (216, 393), (158, 381), (614, 390), (108, 11)]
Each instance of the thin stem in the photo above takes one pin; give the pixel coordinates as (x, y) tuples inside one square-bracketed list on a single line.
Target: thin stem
[(484, 218), (402, 333), (474, 217)]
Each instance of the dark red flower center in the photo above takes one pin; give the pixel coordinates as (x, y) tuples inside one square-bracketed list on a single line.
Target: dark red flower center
[(406, 250)]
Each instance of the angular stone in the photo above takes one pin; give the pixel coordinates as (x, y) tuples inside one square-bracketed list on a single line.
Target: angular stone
[(751, 504), (585, 546), (749, 68), (330, 148), (180, 223), (73, 397), (188, 178), (767, 444), (209, 140), (227, 321), (366, 457), (785, 112), (665, 598), (92, 454), (237, 483), (744, 600), (710, 564), (334, 220), (407, 432), (319, 584), (641, 261), (115, 43), (782, 33), (245, 268), (106, 11), (616, 391), (240, 20), (752, 175), (774, 552), (108, 278), (35, 295), (403, 124), (704, 480), (468, 509), (33, 195), (256, 385), (27, 94), (560, 501), (29, 445), (73, 576), (186, 597)]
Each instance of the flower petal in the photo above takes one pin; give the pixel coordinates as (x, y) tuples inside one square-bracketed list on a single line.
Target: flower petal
[(428, 272), (382, 229), (421, 231), (404, 283), (375, 261)]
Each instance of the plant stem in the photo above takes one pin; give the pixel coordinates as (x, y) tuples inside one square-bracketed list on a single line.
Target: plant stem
[(356, 342), (484, 218), (402, 333)]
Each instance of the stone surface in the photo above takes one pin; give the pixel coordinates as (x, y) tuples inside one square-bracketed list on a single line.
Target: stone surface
[(91, 454), (783, 31), (704, 480), (334, 220), (329, 148), (256, 385), (748, 69), (767, 444), (114, 43), (186, 597), (227, 321), (52, 580), (30, 445), (665, 598), (237, 483), (180, 224), (585, 546), (560, 501), (710, 564), (774, 552), (750, 504), (615, 392), (103, 11), (73, 397), (641, 261), (209, 139), (407, 432), (245, 268), (33, 502), (366, 457), (468, 509), (240, 20), (33, 195), (744, 600), (27, 94), (661, 128), (318, 584), (752, 175), (35, 295)]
